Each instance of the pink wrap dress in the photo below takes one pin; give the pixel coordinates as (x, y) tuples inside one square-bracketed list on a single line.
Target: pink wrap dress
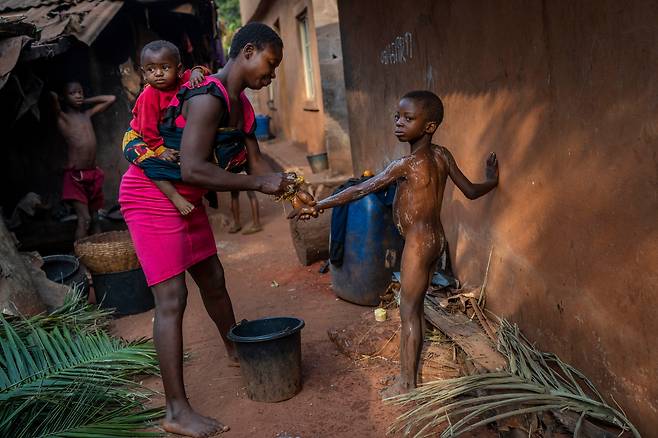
[(166, 242)]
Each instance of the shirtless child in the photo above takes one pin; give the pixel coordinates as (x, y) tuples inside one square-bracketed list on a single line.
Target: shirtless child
[(235, 211), (83, 180), (421, 178)]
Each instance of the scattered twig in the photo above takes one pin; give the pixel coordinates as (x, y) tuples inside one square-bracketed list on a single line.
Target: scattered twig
[(482, 297), (483, 319), (382, 348)]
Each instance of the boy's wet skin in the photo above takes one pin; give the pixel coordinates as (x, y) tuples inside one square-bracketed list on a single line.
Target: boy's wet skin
[(421, 178)]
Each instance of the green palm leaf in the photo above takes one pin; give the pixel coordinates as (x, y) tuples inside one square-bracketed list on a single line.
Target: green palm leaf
[(49, 361), (74, 313), (89, 414), (62, 375)]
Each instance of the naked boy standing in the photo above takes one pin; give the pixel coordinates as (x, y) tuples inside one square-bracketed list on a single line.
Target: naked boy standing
[(421, 177)]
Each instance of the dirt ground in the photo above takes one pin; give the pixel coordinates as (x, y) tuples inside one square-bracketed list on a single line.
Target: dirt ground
[(340, 397)]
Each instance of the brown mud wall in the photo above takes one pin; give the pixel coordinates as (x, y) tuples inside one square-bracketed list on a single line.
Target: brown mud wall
[(294, 117), (565, 93)]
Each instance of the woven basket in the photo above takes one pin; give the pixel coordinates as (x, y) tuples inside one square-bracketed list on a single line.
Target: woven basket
[(105, 253)]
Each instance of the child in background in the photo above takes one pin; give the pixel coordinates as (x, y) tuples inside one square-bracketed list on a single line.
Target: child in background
[(421, 177), (142, 144), (235, 211), (83, 179)]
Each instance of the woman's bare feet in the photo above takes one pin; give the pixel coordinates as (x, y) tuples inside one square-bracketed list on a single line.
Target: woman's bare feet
[(184, 206), (189, 423)]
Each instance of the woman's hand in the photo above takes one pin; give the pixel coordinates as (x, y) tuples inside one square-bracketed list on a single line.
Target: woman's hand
[(275, 183)]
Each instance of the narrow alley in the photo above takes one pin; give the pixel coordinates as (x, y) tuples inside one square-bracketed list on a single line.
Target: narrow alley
[(455, 227)]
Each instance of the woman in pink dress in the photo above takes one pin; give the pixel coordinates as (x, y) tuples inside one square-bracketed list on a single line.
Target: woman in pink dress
[(212, 124)]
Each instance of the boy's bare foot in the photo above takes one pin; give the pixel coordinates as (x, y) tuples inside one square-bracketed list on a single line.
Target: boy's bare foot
[(395, 389), (184, 206), (254, 228), (235, 228), (189, 423)]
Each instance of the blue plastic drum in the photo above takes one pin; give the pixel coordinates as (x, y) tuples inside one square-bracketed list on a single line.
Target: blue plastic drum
[(373, 248)]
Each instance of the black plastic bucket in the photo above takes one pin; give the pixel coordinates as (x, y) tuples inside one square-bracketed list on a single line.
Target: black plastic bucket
[(66, 269), (270, 352), (125, 291)]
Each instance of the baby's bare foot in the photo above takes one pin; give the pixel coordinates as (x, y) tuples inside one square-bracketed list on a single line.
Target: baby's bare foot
[(183, 205), (190, 423)]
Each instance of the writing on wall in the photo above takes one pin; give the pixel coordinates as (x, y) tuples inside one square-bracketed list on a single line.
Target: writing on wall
[(399, 51)]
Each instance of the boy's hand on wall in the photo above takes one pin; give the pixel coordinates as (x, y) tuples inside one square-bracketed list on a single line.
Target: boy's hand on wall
[(492, 167)]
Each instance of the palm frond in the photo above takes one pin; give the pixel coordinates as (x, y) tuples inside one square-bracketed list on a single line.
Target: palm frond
[(74, 313), (61, 355), (63, 375), (91, 413), (534, 382)]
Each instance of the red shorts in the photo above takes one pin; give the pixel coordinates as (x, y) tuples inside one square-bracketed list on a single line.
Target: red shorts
[(84, 185)]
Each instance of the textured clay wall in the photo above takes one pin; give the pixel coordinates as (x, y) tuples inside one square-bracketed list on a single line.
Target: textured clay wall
[(565, 93), (293, 116), (330, 61)]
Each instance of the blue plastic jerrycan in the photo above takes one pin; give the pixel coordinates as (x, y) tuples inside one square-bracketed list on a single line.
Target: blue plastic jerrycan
[(373, 249)]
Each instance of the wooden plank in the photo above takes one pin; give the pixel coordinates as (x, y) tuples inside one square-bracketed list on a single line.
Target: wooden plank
[(468, 335)]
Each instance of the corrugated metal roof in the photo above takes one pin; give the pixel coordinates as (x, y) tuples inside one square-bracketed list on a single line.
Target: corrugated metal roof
[(20, 5), (84, 19)]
